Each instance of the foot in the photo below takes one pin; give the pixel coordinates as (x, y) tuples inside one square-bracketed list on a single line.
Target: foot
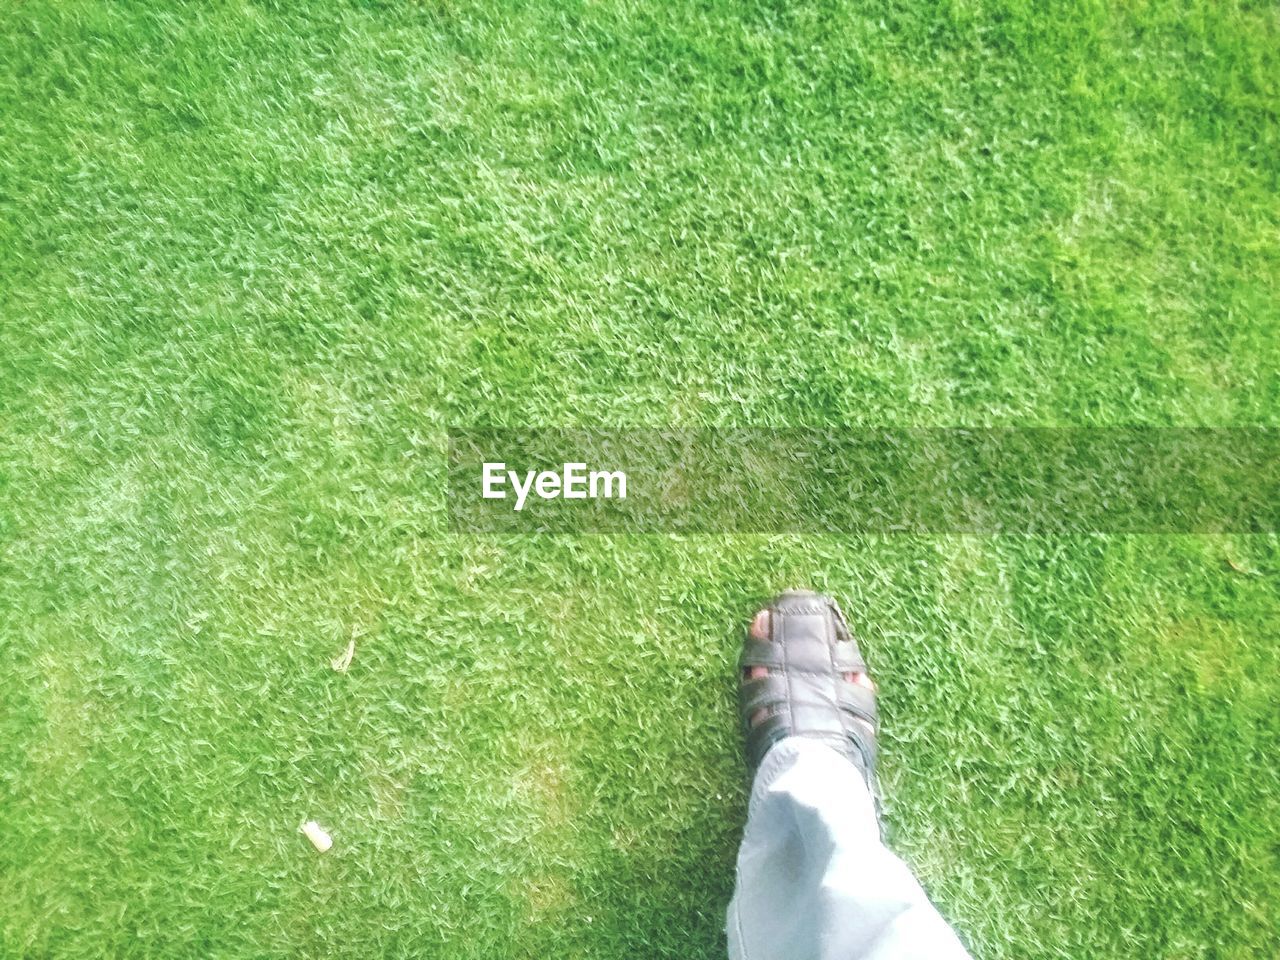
[(803, 675)]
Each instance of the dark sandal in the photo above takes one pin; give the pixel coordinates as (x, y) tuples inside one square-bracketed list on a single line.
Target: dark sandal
[(805, 693)]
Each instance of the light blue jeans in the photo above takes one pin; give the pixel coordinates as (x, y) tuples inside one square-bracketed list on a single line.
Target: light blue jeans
[(814, 880)]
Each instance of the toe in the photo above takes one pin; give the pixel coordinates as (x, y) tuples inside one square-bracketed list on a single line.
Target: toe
[(760, 625), (862, 680), (759, 629)]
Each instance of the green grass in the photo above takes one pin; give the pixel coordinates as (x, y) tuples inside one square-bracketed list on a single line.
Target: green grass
[(255, 258)]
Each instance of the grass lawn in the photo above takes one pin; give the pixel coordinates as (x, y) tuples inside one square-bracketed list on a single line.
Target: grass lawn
[(255, 258)]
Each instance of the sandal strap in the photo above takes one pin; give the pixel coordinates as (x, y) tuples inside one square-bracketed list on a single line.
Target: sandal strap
[(840, 656)]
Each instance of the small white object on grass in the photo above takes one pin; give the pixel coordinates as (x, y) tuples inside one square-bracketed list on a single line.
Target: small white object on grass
[(317, 835), (343, 660)]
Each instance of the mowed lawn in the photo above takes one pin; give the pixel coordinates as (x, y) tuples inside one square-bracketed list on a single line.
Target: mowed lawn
[(256, 258)]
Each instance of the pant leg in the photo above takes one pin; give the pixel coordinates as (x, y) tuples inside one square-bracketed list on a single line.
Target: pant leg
[(814, 881)]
